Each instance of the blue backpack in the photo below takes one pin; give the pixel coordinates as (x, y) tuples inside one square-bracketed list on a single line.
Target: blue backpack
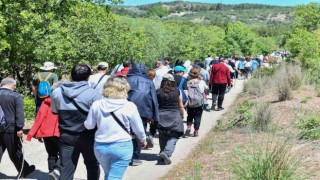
[(184, 96), (44, 89)]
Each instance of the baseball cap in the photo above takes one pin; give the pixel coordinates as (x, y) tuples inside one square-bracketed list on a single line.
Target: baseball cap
[(179, 69)]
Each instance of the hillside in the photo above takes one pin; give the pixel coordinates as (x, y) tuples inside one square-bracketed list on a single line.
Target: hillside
[(266, 20), (212, 14)]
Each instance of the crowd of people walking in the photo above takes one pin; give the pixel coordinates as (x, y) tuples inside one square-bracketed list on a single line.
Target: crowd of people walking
[(110, 117)]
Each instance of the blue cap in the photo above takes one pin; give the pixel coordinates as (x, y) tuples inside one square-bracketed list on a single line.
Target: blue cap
[(179, 69)]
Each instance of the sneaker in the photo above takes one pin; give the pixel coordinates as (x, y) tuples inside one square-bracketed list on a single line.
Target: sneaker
[(220, 109), (187, 133), (28, 171), (135, 162), (165, 157), (213, 107), (54, 174), (196, 133), (150, 142)]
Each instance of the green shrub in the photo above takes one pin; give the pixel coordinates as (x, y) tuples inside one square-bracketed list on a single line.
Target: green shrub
[(257, 86), (245, 115), (309, 127), (261, 117), (295, 76), (265, 72), (29, 108), (266, 162), (282, 85)]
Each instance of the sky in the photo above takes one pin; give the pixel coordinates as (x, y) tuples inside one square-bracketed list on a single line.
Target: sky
[(270, 2)]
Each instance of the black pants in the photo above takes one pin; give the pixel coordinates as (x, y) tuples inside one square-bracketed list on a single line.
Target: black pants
[(136, 142), (152, 129), (70, 148), (11, 142), (52, 145), (194, 114), (218, 90)]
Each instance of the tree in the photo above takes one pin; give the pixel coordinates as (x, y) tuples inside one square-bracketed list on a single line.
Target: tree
[(307, 17)]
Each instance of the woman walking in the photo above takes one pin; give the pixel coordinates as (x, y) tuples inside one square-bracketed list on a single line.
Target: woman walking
[(114, 116), (196, 87), (171, 114)]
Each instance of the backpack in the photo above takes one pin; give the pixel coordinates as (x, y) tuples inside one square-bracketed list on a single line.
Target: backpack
[(195, 96), (44, 89), (3, 122), (184, 96)]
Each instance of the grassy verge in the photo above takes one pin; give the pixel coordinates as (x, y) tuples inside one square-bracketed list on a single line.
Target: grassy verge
[(258, 138)]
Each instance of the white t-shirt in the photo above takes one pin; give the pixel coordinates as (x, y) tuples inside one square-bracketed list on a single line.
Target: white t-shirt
[(160, 72), (248, 64), (203, 86), (94, 79)]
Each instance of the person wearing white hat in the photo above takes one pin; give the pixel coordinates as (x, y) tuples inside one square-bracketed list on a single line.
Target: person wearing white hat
[(46, 74), (97, 80)]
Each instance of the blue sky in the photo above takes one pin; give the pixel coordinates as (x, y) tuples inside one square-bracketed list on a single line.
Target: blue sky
[(271, 2)]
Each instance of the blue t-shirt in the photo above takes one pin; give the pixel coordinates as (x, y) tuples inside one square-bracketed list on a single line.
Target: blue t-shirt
[(255, 65), (241, 65)]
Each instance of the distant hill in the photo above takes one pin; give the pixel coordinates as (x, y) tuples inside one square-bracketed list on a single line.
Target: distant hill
[(212, 14)]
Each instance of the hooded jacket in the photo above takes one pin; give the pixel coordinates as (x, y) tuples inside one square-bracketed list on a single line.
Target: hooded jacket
[(46, 123), (71, 118), (109, 130), (142, 92)]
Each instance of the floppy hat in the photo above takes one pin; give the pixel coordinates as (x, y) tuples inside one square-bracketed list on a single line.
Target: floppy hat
[(103, 64), (168, 77), (48, 66), (179, 69)]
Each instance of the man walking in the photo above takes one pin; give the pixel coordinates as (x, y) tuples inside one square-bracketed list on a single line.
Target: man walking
[(219, 79), (97, 81), (46, 74), (72, 102), (161, 70), (143, 95), (11, 129)]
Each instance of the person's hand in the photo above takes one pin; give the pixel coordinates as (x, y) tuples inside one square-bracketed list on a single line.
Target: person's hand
[(144, 144), (150, 121), (20, 133), (40, 140)]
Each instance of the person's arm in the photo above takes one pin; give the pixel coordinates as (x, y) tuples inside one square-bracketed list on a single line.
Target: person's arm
[(53, 105), (19, 114), (35, 83), (228, 77), (181, 107), (91, 120), (155, 102)]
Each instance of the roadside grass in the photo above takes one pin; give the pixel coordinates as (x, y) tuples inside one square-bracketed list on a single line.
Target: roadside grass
[(217, 154)]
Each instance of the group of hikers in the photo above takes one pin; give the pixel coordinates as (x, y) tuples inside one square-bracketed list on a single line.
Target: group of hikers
[(110, 117)]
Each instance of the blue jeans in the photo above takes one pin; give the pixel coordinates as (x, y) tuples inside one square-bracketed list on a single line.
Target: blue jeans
[(114, 158)]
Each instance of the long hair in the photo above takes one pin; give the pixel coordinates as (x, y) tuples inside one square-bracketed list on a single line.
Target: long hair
[(168, 88)]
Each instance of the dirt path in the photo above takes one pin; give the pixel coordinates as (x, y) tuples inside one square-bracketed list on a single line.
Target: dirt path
[(35, 152)]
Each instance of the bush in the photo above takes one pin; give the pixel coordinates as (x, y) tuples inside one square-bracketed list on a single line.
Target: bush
[(245, 115), (262, 162), (295, 76), (257, 86), (282, 85), (29, 108), (309, 127), (265, 72), (261, 117)]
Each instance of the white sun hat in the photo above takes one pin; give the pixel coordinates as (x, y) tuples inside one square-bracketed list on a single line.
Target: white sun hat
[(47, 66)]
